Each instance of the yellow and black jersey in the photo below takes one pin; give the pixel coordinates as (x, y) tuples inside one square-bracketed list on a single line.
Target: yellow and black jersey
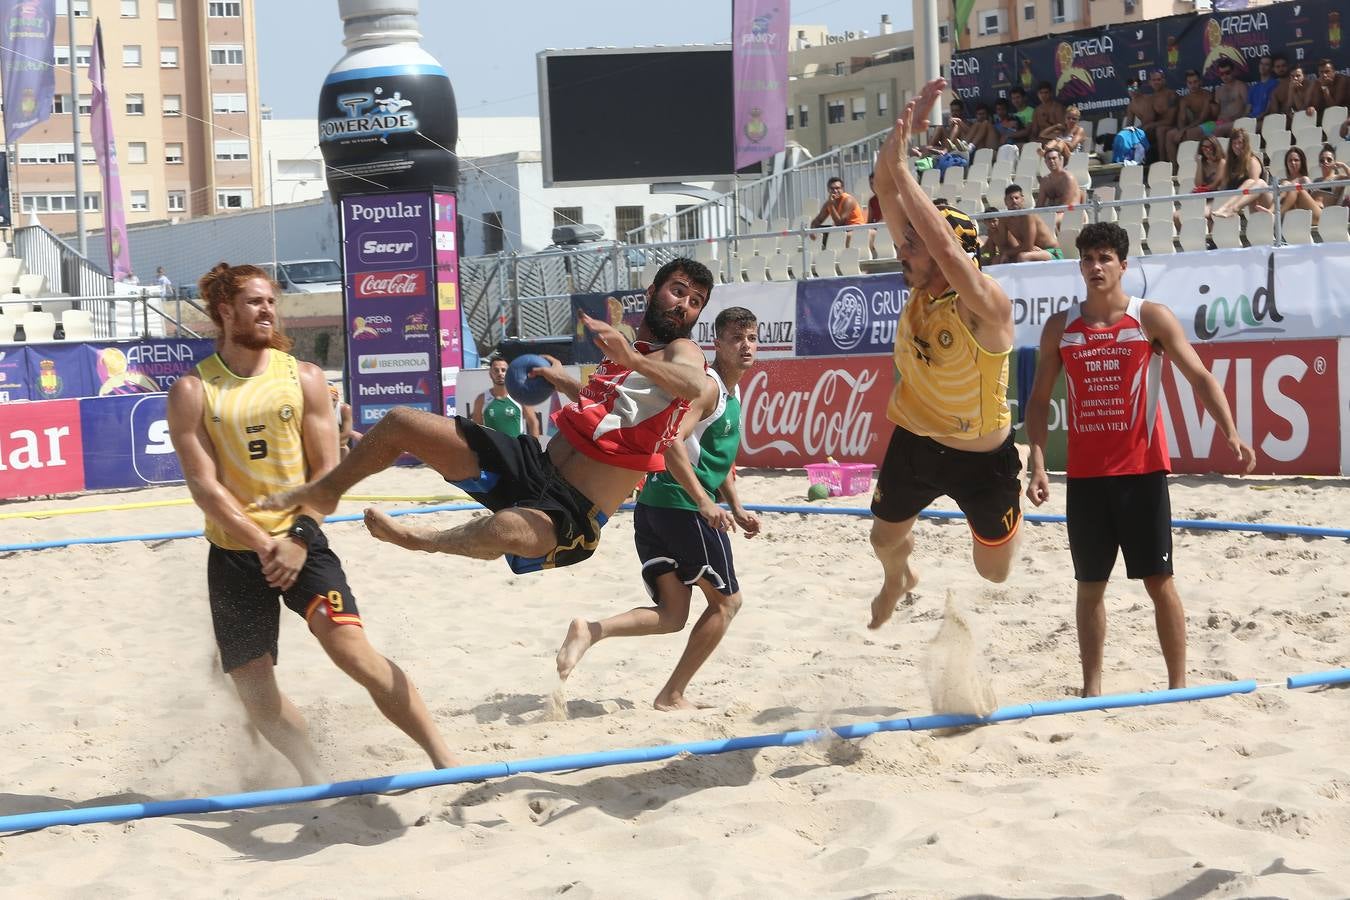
[(255, 425)]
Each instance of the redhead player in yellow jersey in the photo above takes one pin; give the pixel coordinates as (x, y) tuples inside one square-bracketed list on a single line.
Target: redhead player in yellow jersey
[(249, 420), (953, 432)]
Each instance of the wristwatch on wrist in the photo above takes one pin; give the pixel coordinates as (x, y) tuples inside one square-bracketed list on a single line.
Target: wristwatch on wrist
[(304, 529)]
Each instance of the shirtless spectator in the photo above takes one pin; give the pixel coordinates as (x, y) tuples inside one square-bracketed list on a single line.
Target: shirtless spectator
[(1023, 238), (1049, 112), (1060, 187), (1195, 115), (952, 135), (1022, 113), (1300, 96), (1071, 133), (982, 134), (1331, 88), (1140, 107), (1231, 98), (1279, 96), (1159, 113)]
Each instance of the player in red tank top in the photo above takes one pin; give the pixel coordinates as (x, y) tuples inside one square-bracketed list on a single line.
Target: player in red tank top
[(548, 505), (1111, 348)]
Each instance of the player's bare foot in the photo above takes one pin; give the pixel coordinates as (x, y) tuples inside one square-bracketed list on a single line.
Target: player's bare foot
[(672, 702), (580, 637), (313, 495), (883, 604), (384, 527)]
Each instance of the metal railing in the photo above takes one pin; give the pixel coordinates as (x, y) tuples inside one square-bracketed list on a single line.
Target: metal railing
[(112, 316), (67, 272)]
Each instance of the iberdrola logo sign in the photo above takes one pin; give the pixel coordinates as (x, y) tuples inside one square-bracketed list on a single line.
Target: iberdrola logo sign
[(369, 115)]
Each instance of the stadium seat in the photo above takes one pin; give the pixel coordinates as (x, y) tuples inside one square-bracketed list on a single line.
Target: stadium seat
[(1332, 117), (1276, 142), (1260, 229), (756, 267), (1006, 153), (1136, 232), (8, 325), (778, 268), (1308, 136), (1193, 235), (822, 263), (848, 260), (885, 249), (38, 327), (1333, 226), (648, 274), (1160, 236), (1245, 122), (1226, 232), (1160, 180), (1296, 226), (731, 271), (929, 181), (1274, 122), (983, 157), (1068, 236), (78, 324)]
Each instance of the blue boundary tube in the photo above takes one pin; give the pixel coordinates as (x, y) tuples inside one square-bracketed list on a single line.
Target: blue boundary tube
[(572, 762), (1313, 679), (1195, 524)]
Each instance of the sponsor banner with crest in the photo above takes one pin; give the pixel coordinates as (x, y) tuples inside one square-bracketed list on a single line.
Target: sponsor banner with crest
[(96, 368), (849, 315)]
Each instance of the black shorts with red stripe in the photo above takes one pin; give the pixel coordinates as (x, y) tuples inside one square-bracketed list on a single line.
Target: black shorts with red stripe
[(244, 609)]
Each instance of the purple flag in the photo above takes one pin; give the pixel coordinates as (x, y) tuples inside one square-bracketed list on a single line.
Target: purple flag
[(27, 63), (759, 55), (105, 150)]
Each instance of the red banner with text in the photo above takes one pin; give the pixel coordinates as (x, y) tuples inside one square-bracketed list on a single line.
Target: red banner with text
[(41, 448)]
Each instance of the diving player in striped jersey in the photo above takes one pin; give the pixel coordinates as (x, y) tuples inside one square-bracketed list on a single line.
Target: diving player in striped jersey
[(953, 432), (249, 420)]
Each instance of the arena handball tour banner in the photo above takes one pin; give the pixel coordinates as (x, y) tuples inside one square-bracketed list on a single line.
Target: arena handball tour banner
[(392, 297), (1089, 67), (62, 371)]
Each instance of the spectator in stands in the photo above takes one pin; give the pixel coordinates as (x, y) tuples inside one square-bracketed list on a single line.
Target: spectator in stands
[(840, 209), (1258, 92), (1195, 115), (1059, 187), (1231, 98), (1242, 171), (1296, 176), (951, 135), (164, 282), (1299, 96), (1022, 113), (1332, 88), (1208, 166), (1332, 170), (1159, 111), (1279, 95), (1139, 107), (982, 134), (1006, 125), (1049, 112), (1025, 238), (1070, 133)]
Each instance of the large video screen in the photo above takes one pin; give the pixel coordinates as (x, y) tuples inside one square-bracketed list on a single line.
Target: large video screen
[(636, 115)]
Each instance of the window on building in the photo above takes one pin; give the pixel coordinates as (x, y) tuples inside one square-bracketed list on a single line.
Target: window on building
[(81, 8), (626, 218), (494, 237), (566, 215), (60, 56), (229, 103), (84, 53), (131, 55), (1062, 11), (86, 104), (136, 153), (231, 150), (135, 104), (60, 104), (59, 202), (87, 154), (231, 9), (172, 104), (239, 198), (801, 116), (131, 9), (1029, 12), (991, 22), (177, 201), (140, 201), (45, 154), (834, 110), (227, 54), (299, 169), (883, 102), (841, 68), (168, 9), (789, 120), (944, 35), (168, 57), (173, 154), (688, 225), (859, 111)]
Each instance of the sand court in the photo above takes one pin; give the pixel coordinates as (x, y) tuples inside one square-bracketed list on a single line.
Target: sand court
[(115, 697)]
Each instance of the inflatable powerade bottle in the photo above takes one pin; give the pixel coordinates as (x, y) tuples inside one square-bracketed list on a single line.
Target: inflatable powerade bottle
[(387, 118)]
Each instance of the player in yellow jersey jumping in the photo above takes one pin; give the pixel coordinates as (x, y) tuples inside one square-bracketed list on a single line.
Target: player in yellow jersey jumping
[(251, 419), (950, 408)]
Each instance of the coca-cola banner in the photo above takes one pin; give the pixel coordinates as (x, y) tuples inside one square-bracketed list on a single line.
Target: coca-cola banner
[(774, 305), (391, 304), (849, 315), (799, 411)]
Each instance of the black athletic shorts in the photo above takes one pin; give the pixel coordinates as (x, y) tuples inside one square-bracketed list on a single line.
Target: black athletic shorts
[(682, 541), (517, 472), (1132, 513), (244, 608), (917, 470)]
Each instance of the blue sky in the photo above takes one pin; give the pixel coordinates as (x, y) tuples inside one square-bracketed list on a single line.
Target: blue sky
[(489, 48)]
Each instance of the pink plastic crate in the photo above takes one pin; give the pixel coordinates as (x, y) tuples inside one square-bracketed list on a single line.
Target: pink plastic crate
[(843, 479)]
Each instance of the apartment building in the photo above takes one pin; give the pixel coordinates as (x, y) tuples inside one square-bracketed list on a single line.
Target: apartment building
[(1005, 21), (182, 79)]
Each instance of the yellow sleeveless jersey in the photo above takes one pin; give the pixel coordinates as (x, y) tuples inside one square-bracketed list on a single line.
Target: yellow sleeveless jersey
[(255, 428), (949, 385)]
